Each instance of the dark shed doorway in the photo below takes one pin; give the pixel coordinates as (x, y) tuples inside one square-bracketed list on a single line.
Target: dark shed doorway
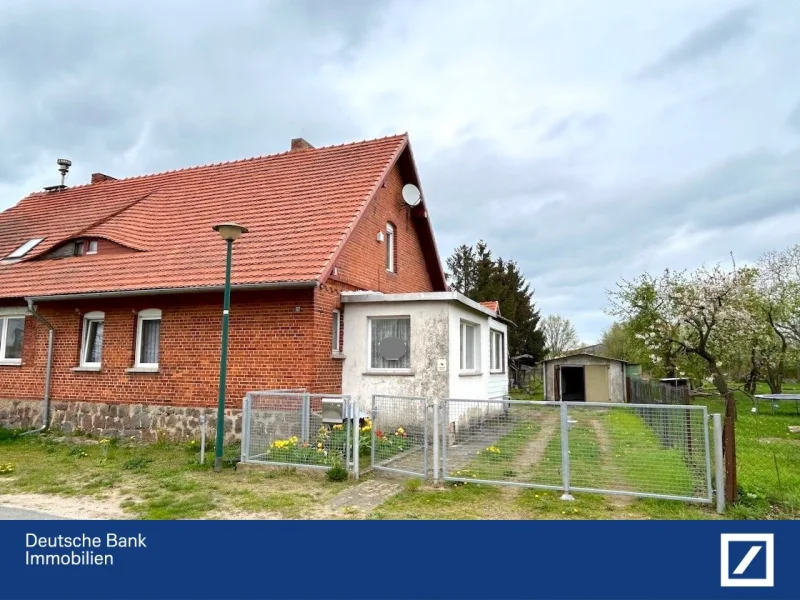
[(573, 384)]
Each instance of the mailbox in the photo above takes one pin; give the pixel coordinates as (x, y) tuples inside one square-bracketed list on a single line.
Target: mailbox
[(332, 410)]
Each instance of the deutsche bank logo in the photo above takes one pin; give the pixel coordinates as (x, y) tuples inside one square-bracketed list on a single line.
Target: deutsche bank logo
[(748, 559)]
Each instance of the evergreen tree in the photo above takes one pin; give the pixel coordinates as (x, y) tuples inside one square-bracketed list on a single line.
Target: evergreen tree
[(474, 273)]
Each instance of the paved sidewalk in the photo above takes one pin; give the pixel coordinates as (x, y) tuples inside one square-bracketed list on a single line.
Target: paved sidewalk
[(8, 513)]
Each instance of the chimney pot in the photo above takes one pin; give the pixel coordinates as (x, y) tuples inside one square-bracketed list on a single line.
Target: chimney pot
[(300, 144), (98, 177)]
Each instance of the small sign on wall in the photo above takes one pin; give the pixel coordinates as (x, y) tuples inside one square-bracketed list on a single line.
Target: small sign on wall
[(441, 364)]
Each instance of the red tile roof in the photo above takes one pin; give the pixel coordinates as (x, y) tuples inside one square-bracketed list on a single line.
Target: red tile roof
[(298, 206), (492, 305)]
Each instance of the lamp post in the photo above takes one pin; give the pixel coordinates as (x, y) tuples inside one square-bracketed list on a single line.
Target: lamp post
[(229, 232)]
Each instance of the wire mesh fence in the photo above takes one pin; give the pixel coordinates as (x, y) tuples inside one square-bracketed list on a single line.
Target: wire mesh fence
[(501, 441), (640, 450), (288, 428), (768, 453), (400, 437)]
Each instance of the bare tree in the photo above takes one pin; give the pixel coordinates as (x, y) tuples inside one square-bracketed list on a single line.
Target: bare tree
[(559, 335)]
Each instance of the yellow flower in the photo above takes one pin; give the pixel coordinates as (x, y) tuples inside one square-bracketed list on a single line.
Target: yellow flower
[(338, 426), (400, 430), (319, 445)]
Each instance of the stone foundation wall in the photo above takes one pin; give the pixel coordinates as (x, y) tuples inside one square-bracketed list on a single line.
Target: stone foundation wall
[(145, 422)]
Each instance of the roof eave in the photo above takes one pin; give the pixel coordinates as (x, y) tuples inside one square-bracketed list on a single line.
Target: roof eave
[(278, 285)]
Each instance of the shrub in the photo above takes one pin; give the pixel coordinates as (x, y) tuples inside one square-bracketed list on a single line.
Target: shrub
[(337, 473)]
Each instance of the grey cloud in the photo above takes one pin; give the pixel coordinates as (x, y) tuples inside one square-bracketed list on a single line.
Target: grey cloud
[(794, 118), (704, 42), (575, 122)]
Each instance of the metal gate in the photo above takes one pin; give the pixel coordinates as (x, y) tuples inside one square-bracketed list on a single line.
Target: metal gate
[(656, 451), (400, 434)]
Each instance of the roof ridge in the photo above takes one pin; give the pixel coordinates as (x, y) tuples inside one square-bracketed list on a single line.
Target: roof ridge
[(232, 162)]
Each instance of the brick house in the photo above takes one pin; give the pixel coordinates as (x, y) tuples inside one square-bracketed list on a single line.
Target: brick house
[(121, 281)]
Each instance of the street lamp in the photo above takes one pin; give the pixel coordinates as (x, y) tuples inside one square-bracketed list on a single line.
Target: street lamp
[(229, 232)]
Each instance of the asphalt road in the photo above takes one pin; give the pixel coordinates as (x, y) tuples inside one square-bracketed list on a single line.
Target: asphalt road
[(19, 514)]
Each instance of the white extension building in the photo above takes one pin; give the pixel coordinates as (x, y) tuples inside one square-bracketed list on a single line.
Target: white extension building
[(430, 344)]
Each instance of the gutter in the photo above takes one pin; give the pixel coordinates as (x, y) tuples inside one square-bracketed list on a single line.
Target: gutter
[(48, 369), (280, 285)]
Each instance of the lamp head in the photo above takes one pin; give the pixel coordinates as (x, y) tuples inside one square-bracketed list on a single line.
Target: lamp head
[(230, 232)]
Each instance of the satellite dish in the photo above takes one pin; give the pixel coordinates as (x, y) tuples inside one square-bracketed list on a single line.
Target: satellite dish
[(411, 194)]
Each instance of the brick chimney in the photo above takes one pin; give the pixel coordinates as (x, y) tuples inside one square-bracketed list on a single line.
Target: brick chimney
[(98, 177), (300, 144)]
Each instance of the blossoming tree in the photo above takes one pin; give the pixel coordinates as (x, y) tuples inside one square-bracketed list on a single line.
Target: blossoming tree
[(706, 314)]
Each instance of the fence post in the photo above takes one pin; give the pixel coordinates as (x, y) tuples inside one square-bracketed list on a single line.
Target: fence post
[(356, 449), (373, 416), (305, 417), (203, 440), (347, 440), (245, 428), (565, 452), (435, 441), (719, 463)]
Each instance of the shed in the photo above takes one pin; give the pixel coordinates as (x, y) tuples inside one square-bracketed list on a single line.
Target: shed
[(584, 377)]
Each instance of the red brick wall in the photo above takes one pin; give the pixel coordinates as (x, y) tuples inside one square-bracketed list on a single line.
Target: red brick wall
[(270, 346), (362, 262), (362, 266)]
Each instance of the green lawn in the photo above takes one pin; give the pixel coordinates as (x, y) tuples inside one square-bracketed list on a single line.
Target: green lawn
[(767, 454), (157, 481)]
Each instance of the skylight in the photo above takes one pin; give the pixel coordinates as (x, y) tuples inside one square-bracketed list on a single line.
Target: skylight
[(25, 248)]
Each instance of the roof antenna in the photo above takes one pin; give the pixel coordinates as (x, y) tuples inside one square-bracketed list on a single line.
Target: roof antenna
[(63, 167)]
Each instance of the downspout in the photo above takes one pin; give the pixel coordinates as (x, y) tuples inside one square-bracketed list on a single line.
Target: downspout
[(48, 370)]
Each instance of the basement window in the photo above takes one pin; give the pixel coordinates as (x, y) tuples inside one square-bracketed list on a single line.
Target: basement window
[(12, 330), (24, 249), (92, 339)]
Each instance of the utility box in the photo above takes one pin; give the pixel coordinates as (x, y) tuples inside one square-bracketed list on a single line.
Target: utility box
[(332, 410)]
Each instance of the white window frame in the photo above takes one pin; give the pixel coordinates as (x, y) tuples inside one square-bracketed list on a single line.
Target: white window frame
[(336, 331), (150, 314), (390, 248), (88, 318), (91, 247), (494, 333), (462, 347), (4, 332), (389, 370)]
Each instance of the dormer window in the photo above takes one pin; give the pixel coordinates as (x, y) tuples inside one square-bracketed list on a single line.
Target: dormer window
[(91, 247)]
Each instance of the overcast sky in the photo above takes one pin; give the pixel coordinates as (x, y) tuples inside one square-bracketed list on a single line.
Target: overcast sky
[(587, 140)]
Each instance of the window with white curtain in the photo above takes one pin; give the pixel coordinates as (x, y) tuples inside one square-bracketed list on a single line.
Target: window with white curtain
[(470, 346), (148, 332), (92, 339), (390, 247), (498, 348), (383, 328), (12, 330)]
